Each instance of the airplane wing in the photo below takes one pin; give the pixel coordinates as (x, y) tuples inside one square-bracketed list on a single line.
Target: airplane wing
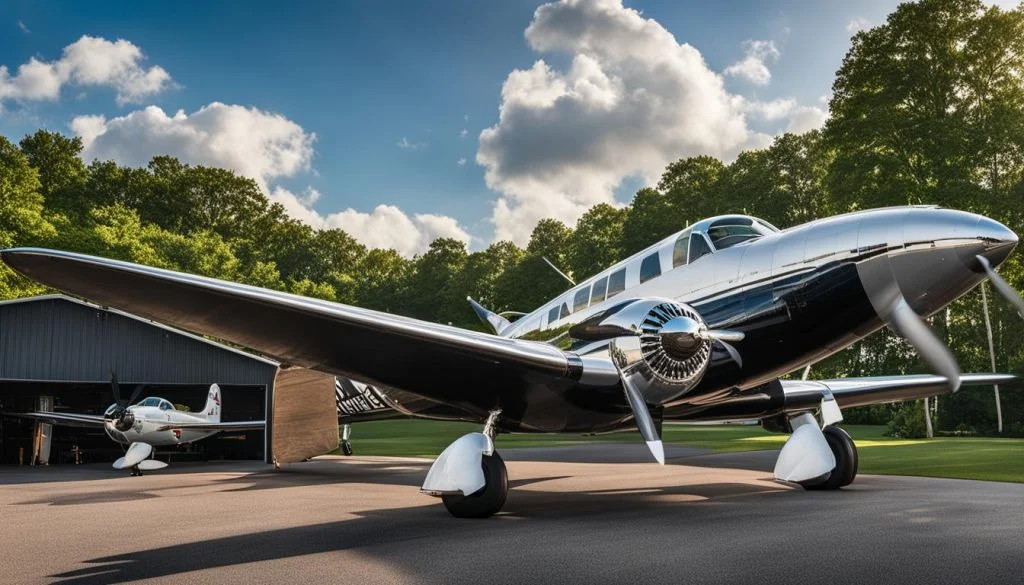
[(68, 419), (399, 353), (242, 425), (849, 392)]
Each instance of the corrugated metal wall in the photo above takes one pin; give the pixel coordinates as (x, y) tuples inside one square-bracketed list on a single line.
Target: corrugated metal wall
[(58, 339)]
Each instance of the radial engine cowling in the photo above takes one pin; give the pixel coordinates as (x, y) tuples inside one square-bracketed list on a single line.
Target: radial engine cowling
[(661, 345)]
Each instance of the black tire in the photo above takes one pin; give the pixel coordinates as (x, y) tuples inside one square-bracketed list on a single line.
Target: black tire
[(847, 462), (346, 448), (487, 501)]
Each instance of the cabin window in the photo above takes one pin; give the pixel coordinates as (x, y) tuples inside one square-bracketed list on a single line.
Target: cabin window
[(698, 247), (165, 405), (725, 236), (600, 287), (650, 268), (616, 283), (581, 299), (553, 314), (564, 312), (680, 249)]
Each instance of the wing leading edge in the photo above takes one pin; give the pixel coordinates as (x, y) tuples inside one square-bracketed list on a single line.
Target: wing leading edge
[(850, 392), (370, 346), (242, 425)]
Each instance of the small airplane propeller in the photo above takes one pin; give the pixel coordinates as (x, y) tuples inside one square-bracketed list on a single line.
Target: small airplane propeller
[(119, 413), (1002, 286), (932, 350)]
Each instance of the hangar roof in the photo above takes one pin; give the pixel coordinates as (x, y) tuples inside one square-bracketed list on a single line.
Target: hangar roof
[(61, 338)]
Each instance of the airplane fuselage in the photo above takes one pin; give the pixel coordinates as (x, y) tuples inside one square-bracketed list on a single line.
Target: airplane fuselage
[(798, 295), (148, 422)]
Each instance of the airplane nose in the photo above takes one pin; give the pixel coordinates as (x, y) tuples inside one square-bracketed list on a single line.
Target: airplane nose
[(997, 240)]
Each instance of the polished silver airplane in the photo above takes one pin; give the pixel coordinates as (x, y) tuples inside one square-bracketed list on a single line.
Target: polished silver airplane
[(701, 326), (151, 422)]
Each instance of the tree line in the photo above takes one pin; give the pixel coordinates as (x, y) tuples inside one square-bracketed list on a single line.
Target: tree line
[(926, 108)]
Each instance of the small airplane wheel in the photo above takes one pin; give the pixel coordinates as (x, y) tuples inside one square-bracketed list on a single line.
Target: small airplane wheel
[(487, 501), (847, 462), (346, 448)]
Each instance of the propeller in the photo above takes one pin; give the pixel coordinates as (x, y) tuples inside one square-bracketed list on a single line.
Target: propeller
[(118, 412), (932, 350), (680, 337), (1001, 285)]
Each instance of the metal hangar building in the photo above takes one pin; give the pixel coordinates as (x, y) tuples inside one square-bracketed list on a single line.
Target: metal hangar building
[(58, 352)]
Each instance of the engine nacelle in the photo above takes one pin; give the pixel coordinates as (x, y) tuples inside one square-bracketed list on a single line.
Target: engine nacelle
[(663, 346)]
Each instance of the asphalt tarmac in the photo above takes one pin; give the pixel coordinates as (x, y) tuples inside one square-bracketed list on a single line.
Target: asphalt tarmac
[(588, 514)]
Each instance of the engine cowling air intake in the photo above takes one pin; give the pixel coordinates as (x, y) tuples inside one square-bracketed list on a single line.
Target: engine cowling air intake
[(665, 352), (661, 345)]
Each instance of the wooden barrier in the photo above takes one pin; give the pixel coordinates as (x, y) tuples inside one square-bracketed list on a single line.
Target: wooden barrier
[(305, 415)]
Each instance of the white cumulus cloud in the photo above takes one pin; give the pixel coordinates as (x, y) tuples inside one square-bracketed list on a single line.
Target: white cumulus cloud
[(24, 28), (799, 118), (753, 67), (405, 144), (249, 141), (857, 24), (461, 162), (386, 226), (89, 61), (632, 100)]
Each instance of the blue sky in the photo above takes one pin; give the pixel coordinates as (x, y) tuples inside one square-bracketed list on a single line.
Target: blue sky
[(387, 88)]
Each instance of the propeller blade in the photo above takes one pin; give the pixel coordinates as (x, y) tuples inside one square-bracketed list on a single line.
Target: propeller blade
[(733, 353), (135, 393), (724, 335), (1002, 286), (115, 387), (908, 325), (644, 421)]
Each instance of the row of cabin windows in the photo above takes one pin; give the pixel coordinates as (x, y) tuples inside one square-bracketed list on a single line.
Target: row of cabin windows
[(688, 248), (604, 288)]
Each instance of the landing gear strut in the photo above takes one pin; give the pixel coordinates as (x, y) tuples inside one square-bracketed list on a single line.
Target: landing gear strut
[(136, 472), (346, 433), (845, 452)]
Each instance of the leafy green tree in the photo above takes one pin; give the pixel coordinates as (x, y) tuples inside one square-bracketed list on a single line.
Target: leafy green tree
[(61, 172), (596, 242)]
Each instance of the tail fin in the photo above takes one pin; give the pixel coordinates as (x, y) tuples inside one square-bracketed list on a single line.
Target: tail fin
[(212, 409)]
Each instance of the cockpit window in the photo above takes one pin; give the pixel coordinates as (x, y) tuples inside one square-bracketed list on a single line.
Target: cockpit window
[(150, 402), (553, 314), (164, 405), (679, 250), (726, 236), (698, 247)]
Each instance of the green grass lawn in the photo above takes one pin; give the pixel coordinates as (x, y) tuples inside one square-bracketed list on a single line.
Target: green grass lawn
[(964, 458)]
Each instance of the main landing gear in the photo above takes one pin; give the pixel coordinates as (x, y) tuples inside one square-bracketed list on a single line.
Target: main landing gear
[(346, 433), (469, 476), (845, 452), (136, 472), (818, 457)]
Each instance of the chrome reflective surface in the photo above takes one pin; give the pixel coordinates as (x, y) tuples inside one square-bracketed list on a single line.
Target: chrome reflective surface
[(796, 296)]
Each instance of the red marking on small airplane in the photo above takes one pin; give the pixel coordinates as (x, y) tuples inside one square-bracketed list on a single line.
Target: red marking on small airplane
[(177, 433)]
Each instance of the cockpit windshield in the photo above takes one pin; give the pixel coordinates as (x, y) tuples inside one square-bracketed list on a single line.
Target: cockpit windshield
[(729, 231), (150, 402)]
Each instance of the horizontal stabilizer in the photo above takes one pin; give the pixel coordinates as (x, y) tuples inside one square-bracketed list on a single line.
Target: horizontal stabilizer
[(495, 321)]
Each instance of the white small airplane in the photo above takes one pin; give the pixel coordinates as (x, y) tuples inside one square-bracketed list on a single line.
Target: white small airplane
[(152, 422)]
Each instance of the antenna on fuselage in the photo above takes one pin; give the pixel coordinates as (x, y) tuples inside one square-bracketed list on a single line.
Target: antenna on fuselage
[(560, 273)]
